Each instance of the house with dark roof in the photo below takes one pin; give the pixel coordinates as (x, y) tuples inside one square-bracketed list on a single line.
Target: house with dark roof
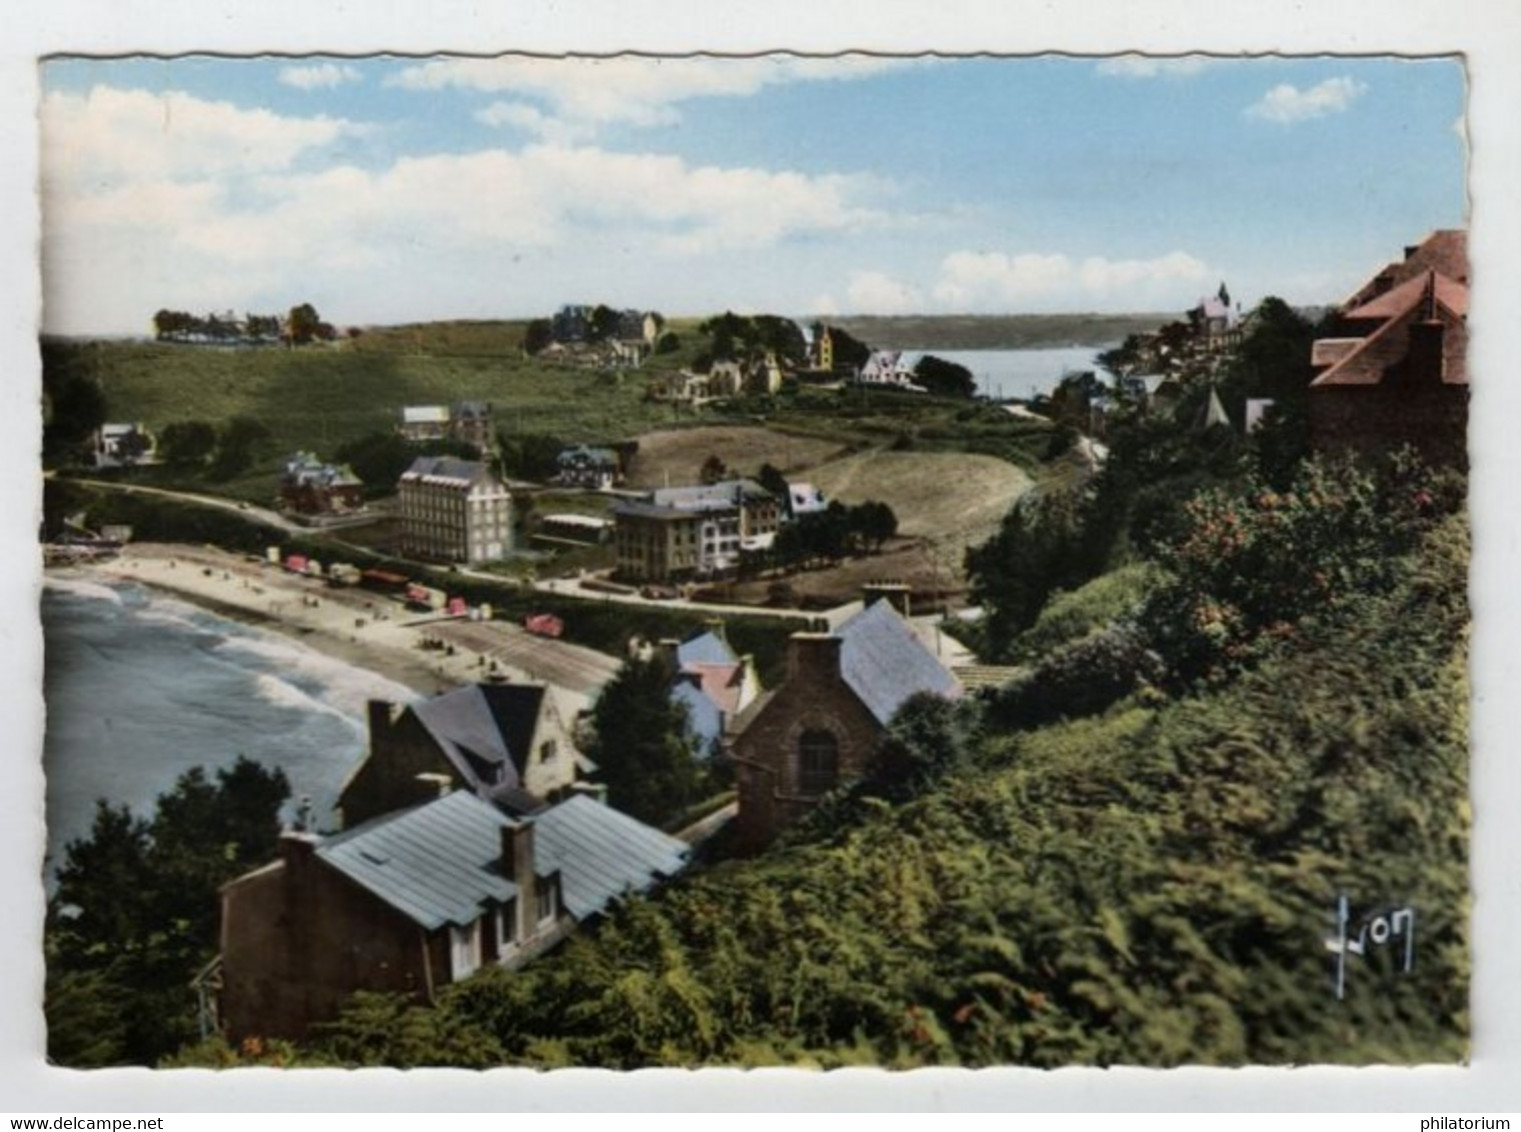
[(820, 728), (413, 900), (310, 487), (1396, 374), (509, 744), (581, 465), (713, 683), (470, 423), (453, 510), (680, 533)]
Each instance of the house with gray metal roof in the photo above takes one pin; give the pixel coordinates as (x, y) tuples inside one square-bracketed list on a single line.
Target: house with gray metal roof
[(510, 744), (411, 901), (821, 727)]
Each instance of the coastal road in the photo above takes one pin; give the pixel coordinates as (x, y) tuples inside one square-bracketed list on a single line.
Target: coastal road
[(571, 587), (245, 510), (572, 667)]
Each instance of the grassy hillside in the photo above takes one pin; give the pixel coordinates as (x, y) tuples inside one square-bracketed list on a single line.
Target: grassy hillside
[(318, 398), (950, 498)]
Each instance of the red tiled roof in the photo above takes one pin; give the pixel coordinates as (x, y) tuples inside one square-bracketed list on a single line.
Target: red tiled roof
[(1387, 347), (1391, 304), (1329, 351), (721, 683), (1445, 251)]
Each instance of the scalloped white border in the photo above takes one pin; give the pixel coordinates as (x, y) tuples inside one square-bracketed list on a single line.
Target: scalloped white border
[(1488, 33)]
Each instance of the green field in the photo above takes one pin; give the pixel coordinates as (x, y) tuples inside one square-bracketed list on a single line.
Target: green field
[(320, 397)]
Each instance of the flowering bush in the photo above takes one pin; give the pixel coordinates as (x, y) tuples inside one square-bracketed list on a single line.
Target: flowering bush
[(1252, 561)]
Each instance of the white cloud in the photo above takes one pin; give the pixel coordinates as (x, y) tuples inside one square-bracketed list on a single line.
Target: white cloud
[(824, 305), (584, 93), (119, 136), (1287, 103), (871, 292), (530, 119), (155, 201), (1153, 66), (994, 281), (320, 76)]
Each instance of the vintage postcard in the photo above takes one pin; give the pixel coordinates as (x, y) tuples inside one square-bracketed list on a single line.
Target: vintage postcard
[(807, 559)]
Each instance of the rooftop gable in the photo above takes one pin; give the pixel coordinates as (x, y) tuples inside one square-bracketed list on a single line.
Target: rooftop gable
[(492, 724), (705, 648), (441, 862), (885, 664)]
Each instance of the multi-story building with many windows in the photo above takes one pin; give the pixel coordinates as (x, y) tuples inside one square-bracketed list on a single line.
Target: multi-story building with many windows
[(453, 510)]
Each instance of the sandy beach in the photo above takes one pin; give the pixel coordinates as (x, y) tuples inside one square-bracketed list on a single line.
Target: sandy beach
[(358, 627)]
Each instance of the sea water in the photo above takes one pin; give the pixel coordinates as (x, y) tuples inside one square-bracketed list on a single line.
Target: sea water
[(141, 687), (1018, 374)]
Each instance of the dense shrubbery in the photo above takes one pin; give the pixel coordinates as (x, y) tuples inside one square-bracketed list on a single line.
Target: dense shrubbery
[(136, 910), (1079, 678), (1252, 562)]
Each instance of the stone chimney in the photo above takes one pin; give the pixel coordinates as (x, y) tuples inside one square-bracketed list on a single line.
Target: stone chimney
[(1425, 360), (813, 657), (296, 848), (381, 716), (517, 866), (435, 785), (666, 651)]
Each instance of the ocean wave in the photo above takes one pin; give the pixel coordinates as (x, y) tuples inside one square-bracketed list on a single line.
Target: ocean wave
[(328, 681), (282, 693), (78, 587)]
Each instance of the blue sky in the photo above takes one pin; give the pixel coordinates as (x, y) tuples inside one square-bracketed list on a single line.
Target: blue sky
[(393, 189)]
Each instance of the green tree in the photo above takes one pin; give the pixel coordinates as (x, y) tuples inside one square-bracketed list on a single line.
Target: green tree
[(875, 522), (713, 470), (1037, 550), (538, 334), (135, 912), (75, 402), (642, 744), (243, 441), (302, 323), (943, 378)]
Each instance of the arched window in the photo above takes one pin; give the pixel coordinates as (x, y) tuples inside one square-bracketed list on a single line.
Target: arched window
[(818, 762)]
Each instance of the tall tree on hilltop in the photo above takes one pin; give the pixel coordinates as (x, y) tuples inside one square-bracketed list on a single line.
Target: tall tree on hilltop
[(302, 324)]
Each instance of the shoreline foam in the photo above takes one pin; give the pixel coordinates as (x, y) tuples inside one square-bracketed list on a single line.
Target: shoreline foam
[(264, 596)]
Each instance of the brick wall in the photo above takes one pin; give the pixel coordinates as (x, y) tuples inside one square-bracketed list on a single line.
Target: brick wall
[(766, 753)]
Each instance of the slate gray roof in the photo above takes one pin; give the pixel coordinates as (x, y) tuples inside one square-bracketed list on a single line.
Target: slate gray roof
[(446, 467), (708, 497), (885, 664), (441, 862), (635, 508), (437, 863), (706, 648), (602, 854)]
